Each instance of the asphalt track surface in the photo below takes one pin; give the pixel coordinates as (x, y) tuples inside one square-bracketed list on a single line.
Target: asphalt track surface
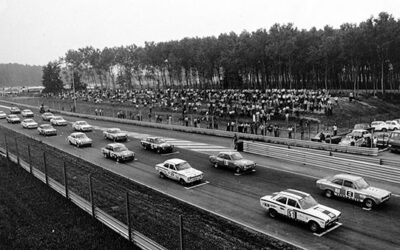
[(237, 196)]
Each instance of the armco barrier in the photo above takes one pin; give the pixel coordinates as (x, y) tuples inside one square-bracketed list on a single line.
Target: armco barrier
[(222, 133), (119, 227), (387, 173)]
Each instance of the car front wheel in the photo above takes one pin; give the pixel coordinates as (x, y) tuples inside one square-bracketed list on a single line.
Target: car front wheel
[(162, 175), (216, 165), (314, 227), (368, 203), (237, 170), (384, 130), (182, 182)]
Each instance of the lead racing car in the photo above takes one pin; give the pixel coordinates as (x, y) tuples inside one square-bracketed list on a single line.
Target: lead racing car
[(354, 188), (302, 207), (232, 160)]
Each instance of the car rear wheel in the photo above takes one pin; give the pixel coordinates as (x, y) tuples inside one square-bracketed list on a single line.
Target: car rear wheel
[(105, 155), (314, 227), (216, 165), (158, 151), (328, 193), (272, 213), (237, 170), (162, 175), (368, 203), (182, 182), (384, 130)]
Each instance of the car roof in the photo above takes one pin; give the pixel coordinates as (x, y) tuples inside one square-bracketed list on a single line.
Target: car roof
[(113, 129), (29, 119), (175, 161), (80, 121), (359, 130), (26, 110), (116, 145), (348, 177), (293, 193), (228, 152), (77, 133)]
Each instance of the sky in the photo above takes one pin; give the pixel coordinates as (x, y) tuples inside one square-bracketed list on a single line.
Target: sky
[(36, 32)]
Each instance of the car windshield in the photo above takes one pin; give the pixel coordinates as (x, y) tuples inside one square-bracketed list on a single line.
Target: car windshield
[(120, 149), (27, 110), (307, 202), (361, 184), (113, 131), (236, 156), (29, 120), (81, 136), (159, 140), (58, 118), (375, 123), (81, 123), (13, 116), (46, 126), (182, 166)]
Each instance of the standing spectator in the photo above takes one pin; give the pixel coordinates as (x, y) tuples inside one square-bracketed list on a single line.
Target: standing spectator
[(100, 112), (186, 121), (335, 128), (290, 130), (262, 129), (270, 129), (95, 111), (235, 140)]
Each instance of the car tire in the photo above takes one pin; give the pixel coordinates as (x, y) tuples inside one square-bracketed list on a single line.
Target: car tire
[(182, 182), (237, 170), (328, 193), (313, 226), (368, 203), (117, 159), (158, 151), (78, 145), (162, 175), (384, 130), (216, 165), (272, 213)]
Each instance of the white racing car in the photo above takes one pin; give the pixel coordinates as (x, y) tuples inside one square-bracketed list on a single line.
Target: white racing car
[(302, 207), (79, 139), (29, 123), (82, 126), (179, 170)]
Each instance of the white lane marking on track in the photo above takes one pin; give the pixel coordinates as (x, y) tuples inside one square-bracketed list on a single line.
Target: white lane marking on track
[(206, 149), (173, 153), (198, 185), (338, 224)]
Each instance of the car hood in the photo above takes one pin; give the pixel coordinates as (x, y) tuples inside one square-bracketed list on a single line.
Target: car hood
[(126, 153), (165, 145), (31, 123), (323, 212), (86, 126), (191, 172), (244, 162), (120, 134), (375, 192), (49, 129)]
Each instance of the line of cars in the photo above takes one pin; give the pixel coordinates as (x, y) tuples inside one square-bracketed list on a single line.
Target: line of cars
[(294, 204)]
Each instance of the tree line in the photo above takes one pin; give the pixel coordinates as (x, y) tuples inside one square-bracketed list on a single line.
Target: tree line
[(13, 74), (363, 56)]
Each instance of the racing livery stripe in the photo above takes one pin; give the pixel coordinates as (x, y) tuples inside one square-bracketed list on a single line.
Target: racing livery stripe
[(297, 211)]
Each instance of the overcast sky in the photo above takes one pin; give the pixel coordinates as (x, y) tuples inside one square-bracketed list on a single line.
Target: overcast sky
[(39, 31)]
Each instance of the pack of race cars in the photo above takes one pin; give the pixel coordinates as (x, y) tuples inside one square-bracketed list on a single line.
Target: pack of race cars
[(290, 203)]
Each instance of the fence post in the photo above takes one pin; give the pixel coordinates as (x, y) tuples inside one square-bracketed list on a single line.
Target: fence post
[(16, 147), (45, 168), (7, 154), (30, 159), (181, 232), (128, 217), (65, 180), (91, 194)]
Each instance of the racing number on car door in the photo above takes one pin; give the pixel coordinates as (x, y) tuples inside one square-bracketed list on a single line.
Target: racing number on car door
[(350, 194), (292, 214)]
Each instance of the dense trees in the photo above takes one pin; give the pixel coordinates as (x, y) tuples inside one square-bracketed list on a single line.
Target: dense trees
[(52, 78), (13, 74), (363, 56)]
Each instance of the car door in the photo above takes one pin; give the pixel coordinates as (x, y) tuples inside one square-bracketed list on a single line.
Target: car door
[(281, 202), (349, 189), (220, 159), (292, 210), (337, 185), (173, 173)]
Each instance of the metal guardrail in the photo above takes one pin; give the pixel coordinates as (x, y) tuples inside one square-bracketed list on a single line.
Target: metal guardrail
[(386, 173), (138, 239), (222, 133)]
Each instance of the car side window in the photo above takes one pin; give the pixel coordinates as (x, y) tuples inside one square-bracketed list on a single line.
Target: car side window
[(172, 167), (348, 184), (166, 165), (338, 182), (293, 203), (282, 200)]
